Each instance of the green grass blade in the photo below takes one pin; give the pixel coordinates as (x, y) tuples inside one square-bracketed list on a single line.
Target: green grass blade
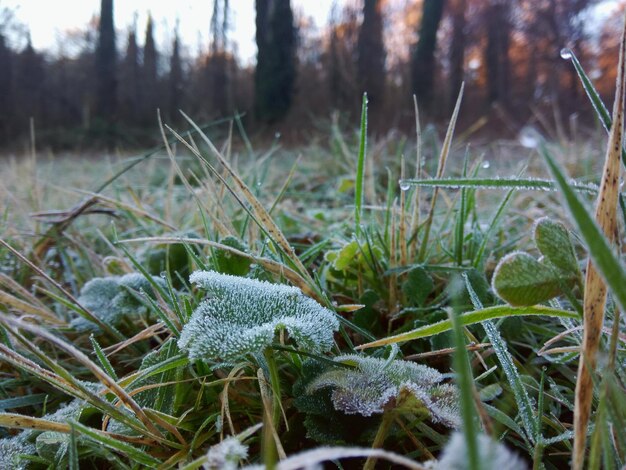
[(109, 442), (360, 169), (524, 403), (598, 105), (599, 248), (480, 253), (464, 381), (470, 318), (531, 184), (461, 218), (102, 358)]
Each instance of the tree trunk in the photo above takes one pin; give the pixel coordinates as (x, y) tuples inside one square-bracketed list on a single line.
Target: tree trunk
[(423, 65)]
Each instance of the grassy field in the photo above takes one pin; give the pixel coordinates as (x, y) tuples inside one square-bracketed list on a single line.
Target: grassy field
[(404, 301)]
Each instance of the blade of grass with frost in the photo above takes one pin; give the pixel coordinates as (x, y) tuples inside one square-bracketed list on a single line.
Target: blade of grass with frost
[(101, 375), (460, 219), (402, 241), (537, 464), (261, 216), (109, 442), (524, 403), (443, 158), (598, 105), (360, 169), (388, 206), (464, 381), (531, 184), (67, 384), (470, 318), (180, 360), (104, 361)]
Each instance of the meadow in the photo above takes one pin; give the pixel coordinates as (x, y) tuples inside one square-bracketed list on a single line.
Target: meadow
[(367, 302)]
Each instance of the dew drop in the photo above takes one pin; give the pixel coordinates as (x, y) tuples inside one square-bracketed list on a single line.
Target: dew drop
[(486, 164), (404, 185), (529, 137), (163, 274), (566, 53), (277, 135)]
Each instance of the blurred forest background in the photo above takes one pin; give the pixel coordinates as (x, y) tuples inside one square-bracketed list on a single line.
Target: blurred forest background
[(105, 90)]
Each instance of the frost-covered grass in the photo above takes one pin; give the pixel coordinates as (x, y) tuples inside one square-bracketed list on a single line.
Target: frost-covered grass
[(226, 306)]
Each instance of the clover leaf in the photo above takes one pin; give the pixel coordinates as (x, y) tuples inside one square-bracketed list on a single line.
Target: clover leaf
[(241, 316)]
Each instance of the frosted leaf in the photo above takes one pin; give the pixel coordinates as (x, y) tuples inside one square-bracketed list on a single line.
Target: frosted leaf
[(492, 455), (240, 316), (110, 299), (11, 449), (376, 385), (226, 455), (70, 411)]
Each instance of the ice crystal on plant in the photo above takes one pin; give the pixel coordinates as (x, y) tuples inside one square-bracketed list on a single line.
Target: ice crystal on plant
[(241, 316), (10, 450), (110, 299), (377, 385), (491, 454), (226, 455)]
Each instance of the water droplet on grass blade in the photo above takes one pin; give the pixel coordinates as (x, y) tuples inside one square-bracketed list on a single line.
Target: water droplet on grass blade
[(566, 53), (486, 164), (404, 185), (529, 137)]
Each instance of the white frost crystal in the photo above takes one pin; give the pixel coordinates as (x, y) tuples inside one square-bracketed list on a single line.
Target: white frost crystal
[(241, 316), (226, 455), (376, 385), (10, 450), (491, 454)]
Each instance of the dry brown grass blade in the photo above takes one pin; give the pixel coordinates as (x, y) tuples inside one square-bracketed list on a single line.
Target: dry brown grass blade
[(48, 239), (146, 333), (595, 288), (17, 421), (26, 308), (415, 219), (268, 411), (441, 166), (133, 209), (17, 288), (22, 363)]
